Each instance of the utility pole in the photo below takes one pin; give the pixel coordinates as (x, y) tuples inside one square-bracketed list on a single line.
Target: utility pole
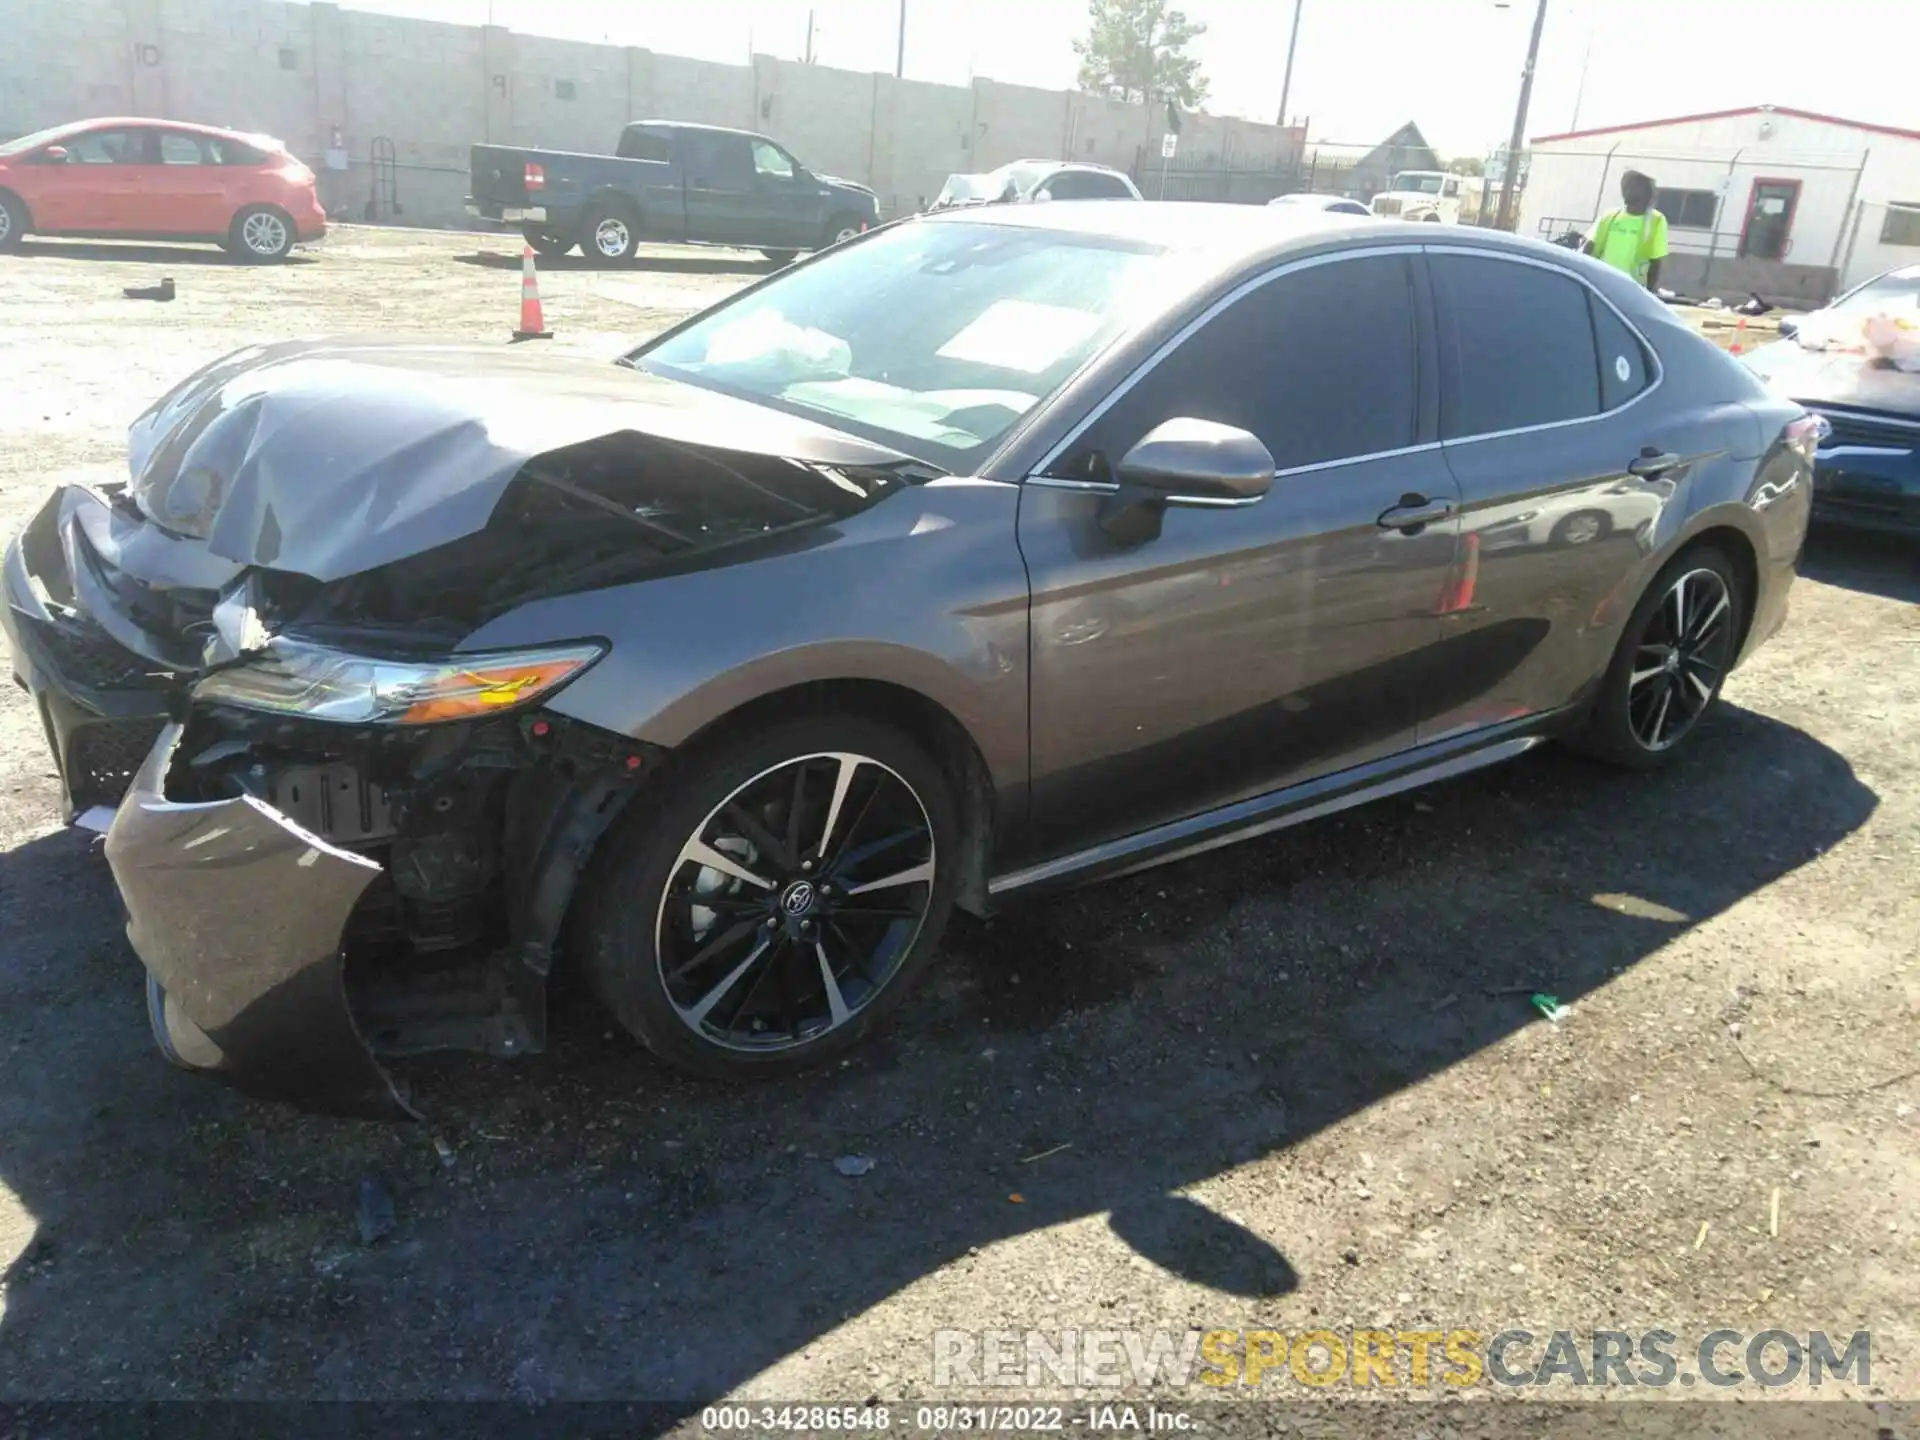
[(900, 51), (1286, 81), (1581, 93), (1511, 181), (809, 56)]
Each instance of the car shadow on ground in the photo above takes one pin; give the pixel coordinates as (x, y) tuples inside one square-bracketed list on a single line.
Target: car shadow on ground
[(598, 1228), (728, 264), (1872, 563), (183, 253)]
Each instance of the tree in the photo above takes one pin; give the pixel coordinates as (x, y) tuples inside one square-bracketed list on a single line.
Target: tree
[(1466, 165), (1137, 49)]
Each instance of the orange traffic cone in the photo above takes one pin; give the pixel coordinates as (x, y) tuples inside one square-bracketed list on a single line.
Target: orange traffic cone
[(1457, 594), (1739, 337), (533, 325)]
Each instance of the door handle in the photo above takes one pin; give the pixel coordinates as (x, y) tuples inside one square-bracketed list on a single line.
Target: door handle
[(1652, 463), (1413, 511)]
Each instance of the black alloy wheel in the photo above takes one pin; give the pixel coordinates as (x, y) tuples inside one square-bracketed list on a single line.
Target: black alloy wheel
[(789, 898), (1674, 655)]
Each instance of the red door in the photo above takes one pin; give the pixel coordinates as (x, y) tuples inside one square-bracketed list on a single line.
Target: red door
[(89, 187), (180, 191)]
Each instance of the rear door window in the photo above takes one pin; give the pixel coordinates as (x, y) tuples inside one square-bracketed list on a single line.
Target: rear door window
[(179, 149), (638, 142), (718, 160), (1516, 346), (1087, 185)]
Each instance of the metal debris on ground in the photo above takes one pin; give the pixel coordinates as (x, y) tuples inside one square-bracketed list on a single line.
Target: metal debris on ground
[(1549, 1006), (1029, 1159), (376, 1209), (162, 291), (853, 1165)]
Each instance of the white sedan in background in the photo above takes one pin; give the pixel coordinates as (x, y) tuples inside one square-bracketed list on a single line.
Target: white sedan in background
[(1333, 204)]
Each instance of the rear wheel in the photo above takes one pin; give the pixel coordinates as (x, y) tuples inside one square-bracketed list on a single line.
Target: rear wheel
[(13, 221), (777, 901), (1674, 656), (261, 235), (551, 246), (611, 234)]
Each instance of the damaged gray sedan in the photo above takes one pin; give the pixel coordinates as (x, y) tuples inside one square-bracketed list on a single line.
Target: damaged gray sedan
[(985, 553)]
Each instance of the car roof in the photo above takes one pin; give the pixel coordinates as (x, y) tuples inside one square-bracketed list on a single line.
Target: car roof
[(1234, 233), (191, 127)]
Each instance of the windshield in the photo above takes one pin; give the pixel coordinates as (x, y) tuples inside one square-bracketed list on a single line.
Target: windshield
[(1418, 181), (1023, 177), (38, 138), (1896, 289), (932, 338)]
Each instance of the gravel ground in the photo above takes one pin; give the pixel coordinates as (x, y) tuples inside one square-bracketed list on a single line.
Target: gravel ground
[(1273, 1087)]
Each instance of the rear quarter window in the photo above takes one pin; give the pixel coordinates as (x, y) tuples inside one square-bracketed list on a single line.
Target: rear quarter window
[(235, 152), (1625, 370), (640, 143)]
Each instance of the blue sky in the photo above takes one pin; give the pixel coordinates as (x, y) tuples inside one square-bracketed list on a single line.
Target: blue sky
[(1364, 66)]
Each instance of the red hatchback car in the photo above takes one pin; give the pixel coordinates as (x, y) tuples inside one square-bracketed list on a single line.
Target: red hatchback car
[(158, 180)]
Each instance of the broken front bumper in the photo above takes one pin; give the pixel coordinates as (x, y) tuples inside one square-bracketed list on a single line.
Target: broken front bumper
[(238, 915)]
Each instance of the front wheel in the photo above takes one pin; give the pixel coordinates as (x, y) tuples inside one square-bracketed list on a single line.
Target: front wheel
[(840, 229), (774, 904), (1674, 656), (261, 235), (13, 221)]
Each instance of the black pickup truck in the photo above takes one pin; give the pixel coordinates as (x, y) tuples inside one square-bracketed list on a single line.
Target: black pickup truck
[(670, 182)]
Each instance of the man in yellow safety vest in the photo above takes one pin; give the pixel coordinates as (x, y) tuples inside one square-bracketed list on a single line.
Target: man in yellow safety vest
[(1633, 240)]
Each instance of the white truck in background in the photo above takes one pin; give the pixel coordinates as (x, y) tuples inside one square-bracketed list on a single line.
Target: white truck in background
[(1434, 195)]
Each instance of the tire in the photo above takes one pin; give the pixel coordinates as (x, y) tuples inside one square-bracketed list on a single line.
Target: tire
[(610, 233), (1625, 722), (13, 220), (1582, 527), (551, 246), (781, 257), (732, 988), (839, 230), (261, 235)]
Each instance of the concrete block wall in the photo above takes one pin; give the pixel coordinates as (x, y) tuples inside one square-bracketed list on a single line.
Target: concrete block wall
[(433, 89)]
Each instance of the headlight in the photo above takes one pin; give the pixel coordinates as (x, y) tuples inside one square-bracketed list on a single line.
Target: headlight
[(292, 678)]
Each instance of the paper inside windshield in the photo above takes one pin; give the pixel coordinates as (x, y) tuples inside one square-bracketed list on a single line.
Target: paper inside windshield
[(1021, 335)]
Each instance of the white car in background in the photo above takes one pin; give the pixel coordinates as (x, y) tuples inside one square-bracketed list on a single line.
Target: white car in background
[(1332, 204), (1024, 181)]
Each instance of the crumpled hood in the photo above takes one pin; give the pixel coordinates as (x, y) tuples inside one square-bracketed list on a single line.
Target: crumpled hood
[(327, 458), (1835, 377)]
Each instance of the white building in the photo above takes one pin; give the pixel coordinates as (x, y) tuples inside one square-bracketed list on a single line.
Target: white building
[(1791, 204)]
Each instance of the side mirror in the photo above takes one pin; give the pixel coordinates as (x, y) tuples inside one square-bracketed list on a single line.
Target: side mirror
[(1189, 463), (54, 155), (1789, 327)]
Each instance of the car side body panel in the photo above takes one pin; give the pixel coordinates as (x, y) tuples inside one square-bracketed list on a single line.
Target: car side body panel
[(926, 591)]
